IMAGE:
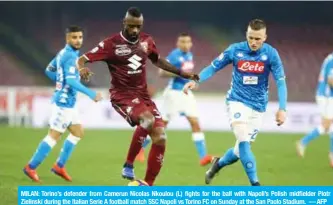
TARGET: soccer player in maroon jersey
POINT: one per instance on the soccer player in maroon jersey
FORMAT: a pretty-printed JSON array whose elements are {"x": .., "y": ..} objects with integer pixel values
[{"x": 126, "y": 55}]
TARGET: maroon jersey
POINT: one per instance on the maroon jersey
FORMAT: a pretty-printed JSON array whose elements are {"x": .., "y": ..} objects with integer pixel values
[{"x": 126, "y": 61}]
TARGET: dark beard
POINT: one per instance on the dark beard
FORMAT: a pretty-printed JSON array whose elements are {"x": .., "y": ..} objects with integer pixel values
[{"x": 128, "y": 37}]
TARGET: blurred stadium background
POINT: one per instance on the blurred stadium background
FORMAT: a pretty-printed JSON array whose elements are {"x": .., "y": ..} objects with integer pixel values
[{"x": 32, "y": 32}]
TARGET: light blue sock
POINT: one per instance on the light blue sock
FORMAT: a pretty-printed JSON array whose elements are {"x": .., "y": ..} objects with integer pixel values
[
  {"x": 311, "y": 136},
  {"x": 201, "y": 148},
  {"x": 67, "y": 150},
  {"x": 331, "y": 142},
  {"x": 146, "y": 142},
  {"x": 228, "y": 158},
  {"x": 200, "y": 144},
  {"x": 42, "y": 151},
  {"x": 248, "y": 160}
]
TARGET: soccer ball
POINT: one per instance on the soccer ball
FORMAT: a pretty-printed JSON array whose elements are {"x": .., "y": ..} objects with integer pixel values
[{"x": 138, "y": 182}]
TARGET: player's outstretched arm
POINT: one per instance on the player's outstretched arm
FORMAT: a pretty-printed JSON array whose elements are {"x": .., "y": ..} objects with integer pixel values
[
  {"x": 166, "y": 74},
  {"x": 173, "y": 61},
  {"x": 50, "y": 71},
  {"x": 204, "y": 75},
  {"x": 71, "y": 80},
  {"x": 217, "y": 64},
  {"x": 280, "y": 79},
  {"x": 207, "y": 73},
  {"x": 77, "y": 85}
]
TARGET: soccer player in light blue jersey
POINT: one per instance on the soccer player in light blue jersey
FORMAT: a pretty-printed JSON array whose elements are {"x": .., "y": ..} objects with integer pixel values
[
  {"x": 62, "y": 70},
  {"x": 324, "y": 98},
  {"x": 175, "y": 102},
  {"x": 253, "y": 61}
]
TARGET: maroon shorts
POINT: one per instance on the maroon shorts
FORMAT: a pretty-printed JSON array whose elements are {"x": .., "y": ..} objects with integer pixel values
[{"x": 130, "y": 107}]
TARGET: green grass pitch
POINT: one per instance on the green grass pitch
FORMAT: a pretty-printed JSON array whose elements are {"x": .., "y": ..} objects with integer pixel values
[{"x": 98, "y": 160}]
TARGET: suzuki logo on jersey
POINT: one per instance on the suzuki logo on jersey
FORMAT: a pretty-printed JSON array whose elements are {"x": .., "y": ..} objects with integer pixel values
[
  {"x": 187, "y": 66},
  {"x": 135, "y": 64},
  {"x": 251, "y": 66}
]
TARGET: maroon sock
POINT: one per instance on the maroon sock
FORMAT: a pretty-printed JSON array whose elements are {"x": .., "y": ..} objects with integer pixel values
[
  {"x": 155, "y": 162},
  {"x": 138, "y": 138}
]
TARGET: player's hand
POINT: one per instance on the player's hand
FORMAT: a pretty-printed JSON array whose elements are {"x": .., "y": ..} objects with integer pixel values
[
  {"x": 98, "y": 97},
  {"x": 189, "y": 86},
  {"x": 85, "y": 74},
  {"x": 191, "y": 76},
  {"x": 280, "y": 117}
]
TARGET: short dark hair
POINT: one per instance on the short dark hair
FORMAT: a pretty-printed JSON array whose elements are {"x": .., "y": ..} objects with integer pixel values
[
  {"x": 257, "y": 24},
  {"x": 184, "y": 34},
  {"x": 134, "y": 11},
  {"x": 74, "y": 28}
]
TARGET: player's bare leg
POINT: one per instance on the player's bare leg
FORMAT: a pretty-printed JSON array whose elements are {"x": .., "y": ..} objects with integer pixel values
[
  {"x": 322, "y": 129},
  {"x": 43, "y": 149},
  {"x": 156, "y": 154},
  {"x": 199, "y": 140},
  {"x": 76, "y": 134},
  {"x": 146, "y": 123}
]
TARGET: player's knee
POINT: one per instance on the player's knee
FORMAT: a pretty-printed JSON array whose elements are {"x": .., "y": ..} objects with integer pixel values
[
  {"x": 147, "y": 120},
  {"x": 158, "y": 136},
  {"x": 79, "y": 133},
  {"x": 326, "y": 125},
  {"x": 77, "y": 130},
  {"x": 55, "y": 134}
]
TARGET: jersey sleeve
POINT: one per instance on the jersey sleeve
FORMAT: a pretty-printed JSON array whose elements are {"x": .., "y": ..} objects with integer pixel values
[
  {"x": 279, "y": 77},
  {"x": 51, "y": 70},
  {"x": 328, "y": 66},
  {"x": 223, "y": 59},
  {"x": 153, "y": 53},
  {"x": 102, "y": 52},
  {"x": 70, "y": 67},
  {"x": 277, "y": 66},
  {"x": 52, "y": 66}
]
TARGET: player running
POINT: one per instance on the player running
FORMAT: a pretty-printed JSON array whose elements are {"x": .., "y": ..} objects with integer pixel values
[
  {"x": 176, "y": 102},
  {"x": 62, "y": 70},
  {"x": 324, "y": 100},
  {"x": 252, "y": 61},
  {"x": 126, "y": 55}
]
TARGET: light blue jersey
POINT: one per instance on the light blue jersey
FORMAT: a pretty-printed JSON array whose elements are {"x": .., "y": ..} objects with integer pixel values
[
  {"x": 181, "y": 60},
  {"x": 250, "y": 74},
  {"x": 323, "y": 88},
  {"x": 65, "y": 66}
]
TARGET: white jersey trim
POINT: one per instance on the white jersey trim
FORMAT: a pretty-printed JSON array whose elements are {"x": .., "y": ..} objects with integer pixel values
[{"x": 128, "y": 40}]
